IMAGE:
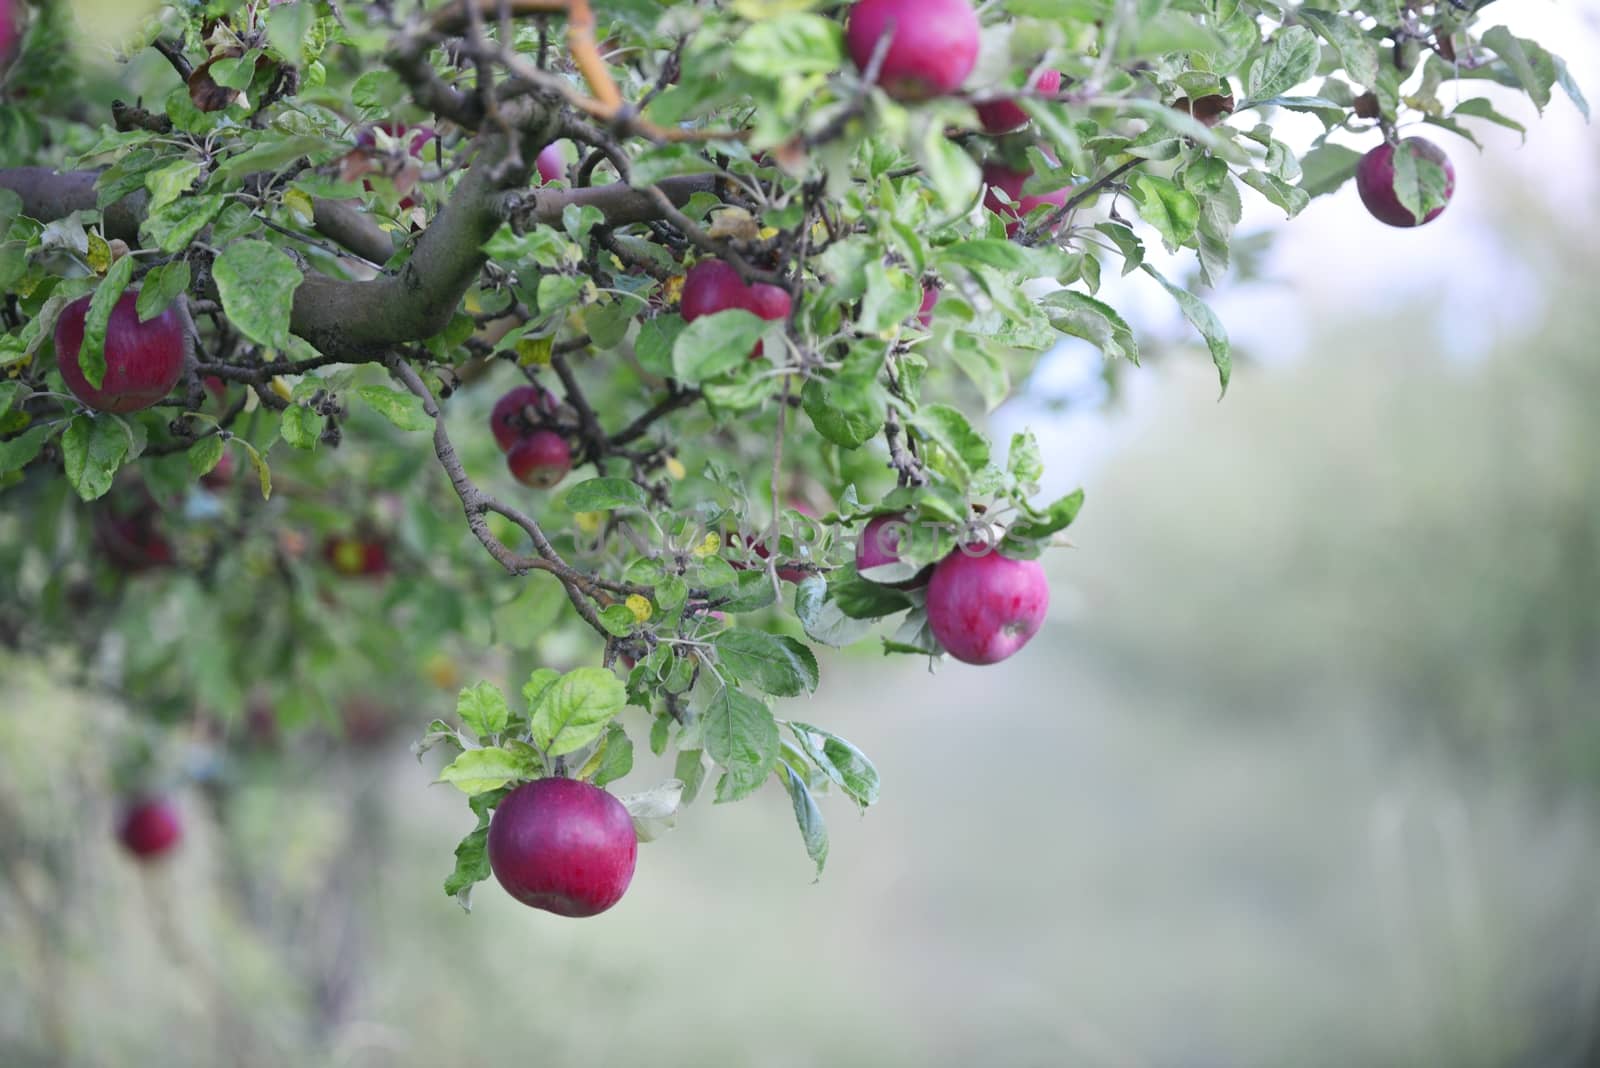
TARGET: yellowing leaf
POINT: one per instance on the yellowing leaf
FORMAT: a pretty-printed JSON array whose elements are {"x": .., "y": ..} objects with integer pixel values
[
  {"x": 767, "y": 233},
  {"x": 673, "y": 289},
  {"x": 589, "y": 522},
  {"x": 99, "y": 253},
  {"x": 534, "y": 351},
  {"x": 675, "y": 468},
  {"x": 299, "y": 202},
  {"x": 711, "y": 543},
  {"x": 281, "y": 388},
  {"x": 639, "y": 606}
]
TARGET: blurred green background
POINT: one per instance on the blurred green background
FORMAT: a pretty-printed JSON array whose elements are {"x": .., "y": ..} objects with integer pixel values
[{"x": 1303, "y": 771}]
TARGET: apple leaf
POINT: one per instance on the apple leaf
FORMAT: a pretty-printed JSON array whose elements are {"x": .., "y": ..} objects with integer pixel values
[
  {"x": 1095, "y": 322},
  {"x": 771, "y": 663},
  {"x": 257, "y": 282},
  {"x": 20, "y": 451},
  {"x": 655, "y": 810},
  {"x": 742, "y": 736},
  {"x": 92, "y": 449},
  {"x": 483, "y": 709},
  {"x": 402, "y": 408},
  {"x": 840, "y": 761},
  {"x": 611, "y": 759},
  {"x": 715, "y": 344},
  {"x": 92, "y": 351},
  {"x": 807, "y": 815},
  {"x": 572, "y": 711},
  {"x": 1204, "y": 320},
  {"x": 604, "y": 494},
  {"x": 160, "y": 288},
  {"x": 204, "y": 455},
  {"x": 1289, "y": 60},
  {"x": 478, "y": 771}
]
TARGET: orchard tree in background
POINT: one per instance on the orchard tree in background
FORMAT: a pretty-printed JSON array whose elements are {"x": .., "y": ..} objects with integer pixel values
[{"x": 634, "y": 347}]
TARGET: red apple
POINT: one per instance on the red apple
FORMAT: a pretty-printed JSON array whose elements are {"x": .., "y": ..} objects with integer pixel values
[
  {"x": 997, "y": 175},
  {"x": 709, "y": 287},
  {"x": 1003, "y": 116},
  {"x": 932, "y": 48},
  {"x": 879, "y": 546},
  {"x": 356, "y": 556},
  {"x": 540, "y": 460},
  {"x": 220, "y": 476},
  {"x": 985, "y": 608},
  {"x": 420, "y": 136},
  {"x": 149, "y": 827},
  {"x": 133, "y": 542},
  {"x": 563, "y": 846},
  {"x": 10, "y": 30},
  {"x": 143, "y": 360},
  {"x": 552, "y": 162},
  {"x": 511, "y": 419},
  {"x": 1375, "y": 181},
  {"x": 930, "y": 297}
]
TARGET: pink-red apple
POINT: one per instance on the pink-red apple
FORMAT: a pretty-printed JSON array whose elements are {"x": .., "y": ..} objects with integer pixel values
[
  {"x": 1375, "y": 181},
  {"x": 1003, "y": 116},
  {"x": 143, "y": 360},
  {"x": 930, "y": 297},
  {"x": 540, "y": 460},
  {"x": 933, "y": 44},
  {"x": 563, "y": 846},
  {"x": 997, "y": 175},
  {"x": 552, "y": 162},
  {"x": 983, "y": 608},
  {"x": 514, "y": 414},
  {"x": 150, "y": 826},
  {"x": 712, "y": 286},
  {"x": 879, "y": 546}
]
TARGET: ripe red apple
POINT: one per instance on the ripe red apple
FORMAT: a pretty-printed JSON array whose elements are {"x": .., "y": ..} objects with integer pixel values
[
  {"x": 552, "y": 162},
  {"x": 997, "y": 175},
  {"x": 712, "y": 286},
  {"x": 10, "y": 30},
  {"x": 133, "y": 541},
  {"x": 879, "y": 545},
  {"x": 1375, "y": 181},
  {"x": 930, "y": 297},
  {"x": 540, "y": 460},
  {"x": 932, "y": 48},
  {"x": 563, "y": 846},
  {"x": 143, "y": 360},
  {"x": 220, "y": 476},
  {"x": 985, "y": 608},
  {"x": 150, "y": 826},
  {"x": 510, "y": 421},
  {"x": 1003, "y": 116}
]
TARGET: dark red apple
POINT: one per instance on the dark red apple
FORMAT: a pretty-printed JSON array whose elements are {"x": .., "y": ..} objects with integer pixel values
[
  {"x": 709, "y": 287},
  {"x": 879, "y": 545},
  {"x": 511, "y": 419},
  {"x": 984, "y": 608},
  {"x": 150, "y": 826},
  {"x": 1375, "y": 181},
  {"x": 10, "y": 30},
  {"x": 143, "y": 360},
  {"x": 563, "y": 846},
  {"x": 933, "y": 44},
  {"x": 356, "y": 556},
  {"x": 997, "y": 175},
  {"x": 930, "y": 297},
  {"x": 1003, "y": 116},
  {"x": 552, "y": 162},
  {"x": 540, "y": 460},
  {"x": 133, "y": 541}
]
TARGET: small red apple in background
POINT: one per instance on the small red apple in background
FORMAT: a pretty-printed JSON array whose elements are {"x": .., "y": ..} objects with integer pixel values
[
  {"x": 150, "y": 826},
  {"x": 1375, "y": 181},
  {"x": 932, "y": 48},
  {"x": 540, "y": 460},
  {"x": 366, "y": 721},
  {"x": 133, "y": 541},
  {"x": 985, "y": 608},
  {"x": 10, "y": 31},
  {"x": 354, "y": 556},
  {"x": 1206, "y": 110},
  {"x": 143, "y": 360},
  {"x": 1003, "y": 116},
  {"x": 563, "y": 846},
  {"x": 220, "y": 476},
  {"x": 552, "y": 162},
  {"x": 879, "y": 545},
  {"x": 712, "y": 286},
  {"x": 930, "y": 297},
  {"x": 997, "y": 175},
  {"x": 510, "y": 420}
]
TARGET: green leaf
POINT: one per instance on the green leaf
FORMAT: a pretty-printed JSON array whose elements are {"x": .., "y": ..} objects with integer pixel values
[
  {"x": 1327, "y": 167},
  {"x": 1058, "y": 516},
  {"x": 257, "y": 282},
  {"x": 1204, "y": 320},
  {"x": 1357, "y": 54},
  {"x": 1419, "y": 183},
  {"x": 617, "y": 619},
  {"x": 472, "y": 854},
  {"x": 170, "y": 182},
  {"x": 768, "y": 662},
  {"x": 1291, "y": 198},
  {"x": 807, "y": 815},
  {"x": 259, "y": 462},
  {"x": 949, "y": 429},
  {"x": 715, "y": 344},
  {"x": 1099, "y": 324},
  {"x": 204, "y": 455},
  {"x": 791, "y": 43},
  {"x": 860, "y": 598},
  {"x": 742, "y": 736},
  {"x": 690, "y": 767},
  {"x": 92, "y": 449},
  {"x": 483, "y": 709},
  {"x": 1127, "y": 243},
  {"x": 301, "y": 427},
  {"x": 20, "y": 451},
  {"x": 402, "y": 408},
  {"x": 612, "y": 759},
  {"x": 272, "y": 154},
  {"x": 949, "y": 169},
  {"x": 1289, "y": 60},
  {"x": 161, "y": 287},
  {"x": 174, "y": 227},
  {"x": 572, "y": 711},
  {"x": 1174, "y": 212},
  {"x": 92, "y": 353},
  {"x": 604, "y": 494},
  {"x": 1514, "y": 51},
  {"x": 1482, "y": 107},
  {"x": 840, "y": 761},
  {"x": 478, "y": 771},
  {"x": 823, "y": 619},
  {"x": 654, "y": 811},
  {"x": 848, "y": 410}
]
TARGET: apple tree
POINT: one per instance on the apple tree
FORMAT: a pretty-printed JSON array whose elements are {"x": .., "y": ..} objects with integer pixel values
[{"x": 635, "y": 348}]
